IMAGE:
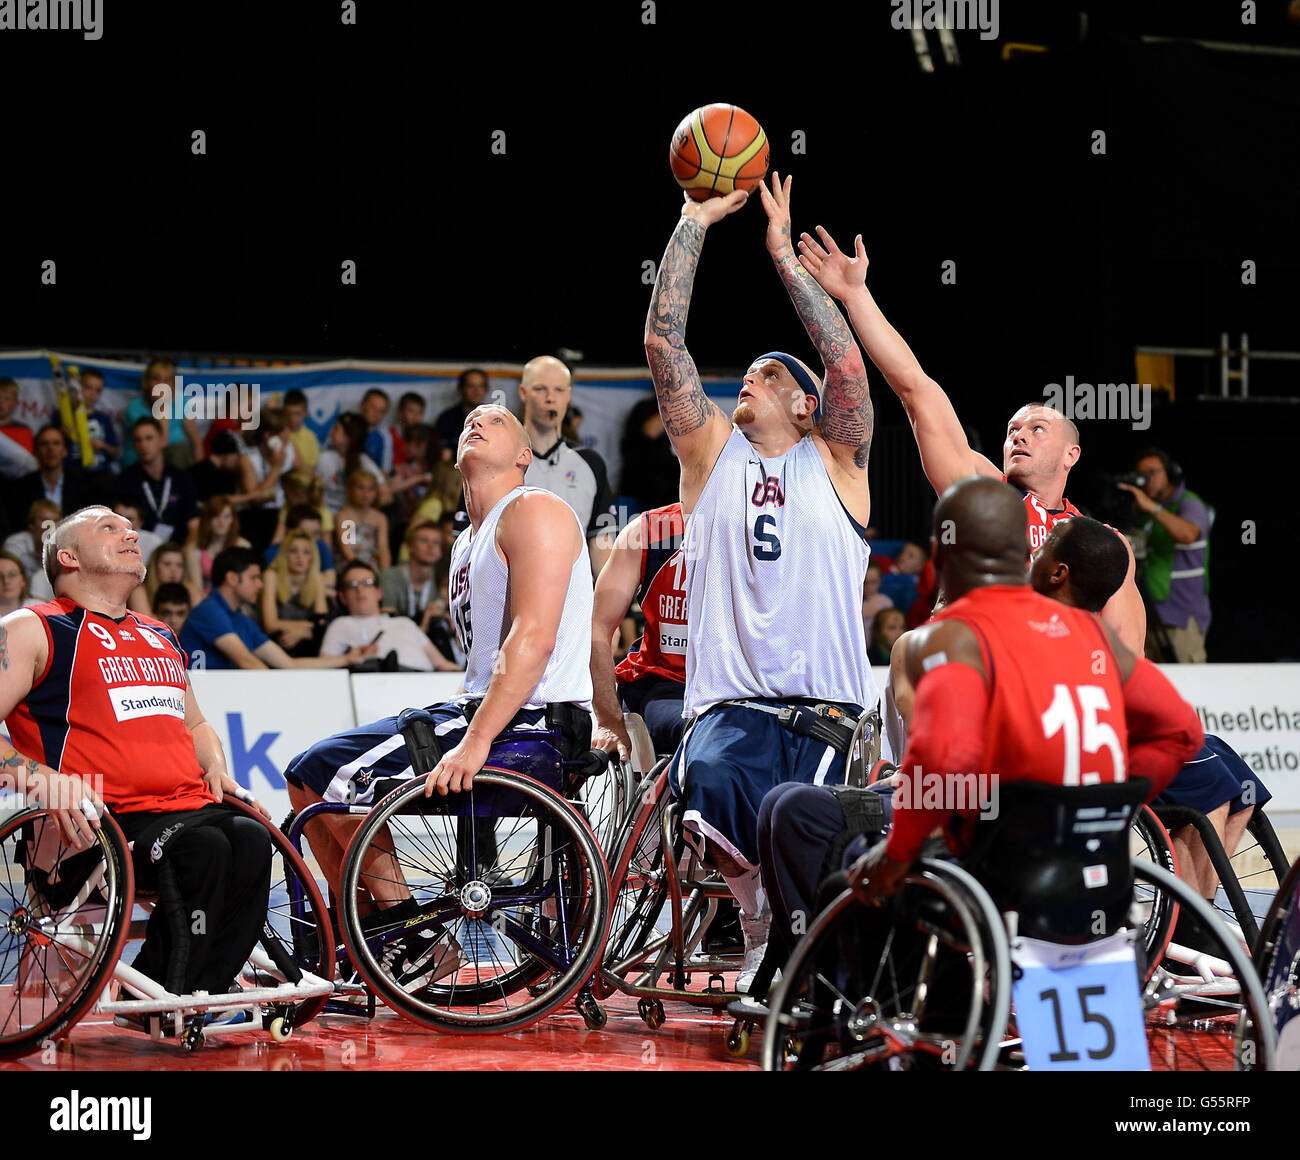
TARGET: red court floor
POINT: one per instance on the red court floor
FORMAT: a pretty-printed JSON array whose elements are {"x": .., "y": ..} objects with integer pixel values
[{"x": 691, "y": 1040}]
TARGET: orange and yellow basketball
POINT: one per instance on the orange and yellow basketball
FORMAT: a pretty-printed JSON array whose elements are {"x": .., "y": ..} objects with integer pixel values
[{"x": 718, "y": 149}]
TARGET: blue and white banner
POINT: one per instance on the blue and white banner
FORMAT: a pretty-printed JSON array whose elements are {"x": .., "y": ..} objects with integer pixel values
[{"x": 605, "y": 396}]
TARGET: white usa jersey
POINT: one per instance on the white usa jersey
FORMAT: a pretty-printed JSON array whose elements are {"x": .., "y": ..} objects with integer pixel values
[
  {"x": 481, "y": 611},
  {"x": 774, "y": 573}
]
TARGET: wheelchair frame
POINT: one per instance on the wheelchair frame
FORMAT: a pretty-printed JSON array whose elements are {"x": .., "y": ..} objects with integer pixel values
[
  {"x": 792, "y": 1029},
  {"x": 556, "y": 973},
  {"x": 283, "y": 993}
]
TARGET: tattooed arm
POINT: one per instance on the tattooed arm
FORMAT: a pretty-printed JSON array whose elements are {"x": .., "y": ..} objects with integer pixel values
[
  {"x": 946, "y": 454},
  {"x": 847, "y": 416},
  {"x": 695, "y": 426},
  {"x": 23, "y": 653}
]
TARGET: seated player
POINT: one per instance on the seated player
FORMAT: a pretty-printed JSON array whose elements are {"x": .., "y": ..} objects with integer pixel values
[
  {"x": 802, "y": 829},
  {"x": 521, "y": 602},
  {"x": 1002, "y": 677},
  {"x": 776, "y": 503},
  {"x": 645, "y": 565},
  {"x": 94, "y": 694}
]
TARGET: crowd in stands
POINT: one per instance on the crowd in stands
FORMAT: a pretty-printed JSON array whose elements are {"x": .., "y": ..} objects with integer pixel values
[{"x": 261, "y": 537}]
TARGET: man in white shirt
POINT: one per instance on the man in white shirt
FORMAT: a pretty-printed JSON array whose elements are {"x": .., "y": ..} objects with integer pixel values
[{"x": 360, "y": 594}]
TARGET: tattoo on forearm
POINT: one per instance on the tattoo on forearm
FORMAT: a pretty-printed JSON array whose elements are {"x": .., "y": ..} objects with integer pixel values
[
  {"x": 4, "y": 648},
  {"x": 682, "y": 402},
  {"x": 847, "y": 415}
]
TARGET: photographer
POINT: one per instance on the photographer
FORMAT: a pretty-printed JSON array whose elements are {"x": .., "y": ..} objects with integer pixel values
[{"x": 1174, "y": 570}]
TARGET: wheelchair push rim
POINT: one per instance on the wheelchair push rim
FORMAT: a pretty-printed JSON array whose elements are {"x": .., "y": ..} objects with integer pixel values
[{"x": 55, "y": 958}]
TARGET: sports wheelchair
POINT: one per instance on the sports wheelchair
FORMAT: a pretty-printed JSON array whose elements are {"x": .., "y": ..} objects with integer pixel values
[
  {"x": 665, "y": 900},
  {"x": 67, "y": 916},
  {"x": 509, "y": 876},
  {"x": 926, "y": 979}
]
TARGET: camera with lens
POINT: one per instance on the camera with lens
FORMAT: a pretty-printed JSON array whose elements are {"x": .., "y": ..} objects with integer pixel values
[{"x": 1116, "y": 506}]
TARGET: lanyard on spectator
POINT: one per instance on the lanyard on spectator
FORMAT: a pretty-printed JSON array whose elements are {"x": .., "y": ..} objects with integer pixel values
[
  {"x": 417, "y": 605},
  {"x": 158, "y": 508}
]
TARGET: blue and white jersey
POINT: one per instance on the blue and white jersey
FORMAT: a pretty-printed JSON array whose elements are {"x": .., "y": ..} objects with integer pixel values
[
  {"x": 774, "y": 573},
  {"x": 481, "y": 611}
]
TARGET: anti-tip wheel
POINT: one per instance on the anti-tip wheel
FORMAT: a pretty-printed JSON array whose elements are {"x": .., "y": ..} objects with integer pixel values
[
  {"x": 280, "y": 1030},
  {"x": 738, "y": 1039}
]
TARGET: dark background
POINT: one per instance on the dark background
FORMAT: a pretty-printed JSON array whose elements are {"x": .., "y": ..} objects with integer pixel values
[{"x": 372, "y": 143}]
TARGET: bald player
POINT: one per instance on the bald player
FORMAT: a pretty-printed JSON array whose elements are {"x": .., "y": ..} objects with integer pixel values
[
  {"x": 776, "y": 503},
  {"x": 1041, "y": 444},
  {"x": 1012, "y": 684},
  {"x": 526, "y": 644},
  {"x": 567, "y": 469}
]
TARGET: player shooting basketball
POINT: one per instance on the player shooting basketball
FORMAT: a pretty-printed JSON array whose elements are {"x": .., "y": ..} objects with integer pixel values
[{"x": 777, "y": 503}]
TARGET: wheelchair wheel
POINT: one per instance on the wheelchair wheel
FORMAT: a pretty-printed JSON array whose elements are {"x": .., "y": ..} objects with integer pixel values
[
  {"x": 604, "y": 801},
  {"x": 1249, "y": 879},
  {"x": 1205, "y": 1008},
  {"x": 1259, "y": 867},
  {"x": 639, "y": 887},
  {"x": 536, "y": 913},
  {"x": 297, "y": 935},
  {"x": 922, "y": 981},
  {"x": 1277, "y": 961},
  {"x": 64, "y": 917},
  {"x": 1155, "y": 910}
]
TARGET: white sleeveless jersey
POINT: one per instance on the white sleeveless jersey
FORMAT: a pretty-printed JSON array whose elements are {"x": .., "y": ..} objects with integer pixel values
[
  {"x": 480, "y": 606},
  {"x": 774, "y": 573}
]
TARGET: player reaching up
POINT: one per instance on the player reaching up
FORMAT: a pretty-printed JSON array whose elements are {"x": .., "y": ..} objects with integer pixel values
[
  {"x": 776, "y": 501},
  {"x": 1041, "y": 444}
]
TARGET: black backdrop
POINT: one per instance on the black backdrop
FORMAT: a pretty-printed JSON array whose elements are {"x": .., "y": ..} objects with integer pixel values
[{"x": 372, "y": 143}]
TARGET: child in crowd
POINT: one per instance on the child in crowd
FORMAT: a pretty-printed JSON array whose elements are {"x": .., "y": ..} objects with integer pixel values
[{"x": 361, "y": 531}]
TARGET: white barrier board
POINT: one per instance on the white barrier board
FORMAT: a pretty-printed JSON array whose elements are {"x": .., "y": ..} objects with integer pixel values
[{"x": 264, "y": 719}]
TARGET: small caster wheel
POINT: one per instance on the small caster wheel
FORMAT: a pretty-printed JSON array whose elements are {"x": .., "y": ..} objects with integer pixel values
[
  {"x": 738, "y": 1039},
  {"x": 593, "y": 1014},
  {"x": 653, "y": 1014},
  {"x": 281, "y": 1029},
  {"x": 193, "y": 1039}
]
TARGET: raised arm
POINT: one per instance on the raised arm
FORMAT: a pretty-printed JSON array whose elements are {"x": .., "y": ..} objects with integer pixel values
[
  {"x": 695, "y": 426},
  {"x": 946, "y": 454},
  {"x": 847, "y": 416}
]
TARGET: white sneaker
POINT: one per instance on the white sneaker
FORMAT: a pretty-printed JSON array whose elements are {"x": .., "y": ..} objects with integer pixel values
[{"x": 755, "y": 931}]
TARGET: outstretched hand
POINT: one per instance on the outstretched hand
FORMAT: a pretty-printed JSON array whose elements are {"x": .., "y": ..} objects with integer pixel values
[
  {"x": 836, "y": 273},
  {"x": 777, "y": 203},
  {"x": 714, "y": 209}
]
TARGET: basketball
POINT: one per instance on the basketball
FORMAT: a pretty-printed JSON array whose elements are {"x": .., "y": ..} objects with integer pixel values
[{"x": 718, "y": 149}]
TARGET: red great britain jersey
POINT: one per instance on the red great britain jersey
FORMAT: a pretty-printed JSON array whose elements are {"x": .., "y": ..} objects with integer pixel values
[
  {"x": 1042, "y": 519},
  {"x": 111, "y": 703},
  {"x": 661, "y": 651},
  {"x": 1056, "y": 703}
]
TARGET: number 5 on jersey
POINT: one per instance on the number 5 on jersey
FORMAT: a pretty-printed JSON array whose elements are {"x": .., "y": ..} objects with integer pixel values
[{"x": 769, "y": 547}]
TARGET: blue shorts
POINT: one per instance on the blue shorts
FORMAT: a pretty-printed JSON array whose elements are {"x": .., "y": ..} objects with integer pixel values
[
  {"x": 347, "y": 766},
  {"x": 1216, "y": 775},
  {"x": 730, "y": 759}
]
